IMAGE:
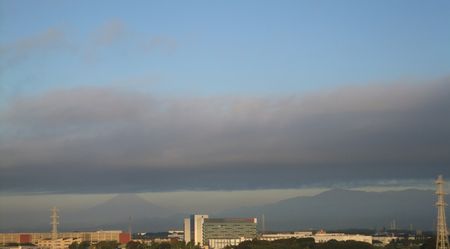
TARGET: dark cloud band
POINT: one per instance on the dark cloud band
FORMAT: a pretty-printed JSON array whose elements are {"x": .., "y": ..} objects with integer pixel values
[{"x": 103, "y": 140}]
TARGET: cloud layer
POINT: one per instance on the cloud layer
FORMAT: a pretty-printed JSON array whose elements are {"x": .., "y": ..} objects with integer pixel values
[
  {"x": 59, "y": 40},
  {"x": 52, "y": 39},
  {"x": 105, "y": 140}
]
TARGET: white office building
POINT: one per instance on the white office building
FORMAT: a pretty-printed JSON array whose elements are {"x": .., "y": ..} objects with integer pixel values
[
  {"x": 193, "y": 229},
  {"x": 217, "y": 233}
]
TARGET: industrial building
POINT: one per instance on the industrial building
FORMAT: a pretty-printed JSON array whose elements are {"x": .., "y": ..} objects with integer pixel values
[
  {"x": 322, "y": 236},
  {"x": 278, "y": 236},
  {"x": 319, "y": 237},
  {"x": 58, "y": 240},
  {"x": 218, "y": 232},
  {"x": 175, "y": 235},
  {"x": 92, "y": 237},
  {"x": 61, "y": 243}
]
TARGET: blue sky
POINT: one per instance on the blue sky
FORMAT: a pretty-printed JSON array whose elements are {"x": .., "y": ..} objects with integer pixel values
[
  {"x": 236, "y": 97},
  {"x": 221, "y": 47}
]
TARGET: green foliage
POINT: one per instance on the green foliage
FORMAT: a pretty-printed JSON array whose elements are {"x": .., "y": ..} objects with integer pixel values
[
  {"x": 82, "y": 245},
  {"x": 74, "y": 245},
  {"x": 163, "y": 245},
  {"x": 429, "y": 243},
  {"x": 307, "y": 243},
  {"x": 135, "y": 245},
  {"x": 106, "y": 245},
  {"x": 190, "y": 245},
  {"x": 333, "y": 244}
]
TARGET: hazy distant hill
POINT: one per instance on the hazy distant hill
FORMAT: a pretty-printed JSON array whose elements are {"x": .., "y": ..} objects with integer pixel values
[
  {"x": 337, "y": 209},
  {"x": 128, "y": 205},
  {"x": 25, "y": 219},
  {"x": 116, "y": 212},
  {"x": 333, "y": 209}
]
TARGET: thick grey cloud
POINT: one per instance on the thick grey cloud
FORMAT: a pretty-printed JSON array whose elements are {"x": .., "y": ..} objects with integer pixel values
[{"x": 105, "y": 140}]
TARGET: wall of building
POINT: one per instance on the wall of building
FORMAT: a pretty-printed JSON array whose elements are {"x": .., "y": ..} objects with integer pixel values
[
  {"x": 319, "y": 237},
  {"x": 187, "y": 230},
  {"x": 221, "y": 243},
  {"x": 93, "y": 237},
  {"x": 228, "y": 229},
  {"x": 62, "y": 243},
  {"x": 201, "y": 230},
  {"x": 277, "y": 236},
  {"x": 324, "y": 237},
  {"x": 198, "y": 228},
  {"x": 193, "y": 229}
]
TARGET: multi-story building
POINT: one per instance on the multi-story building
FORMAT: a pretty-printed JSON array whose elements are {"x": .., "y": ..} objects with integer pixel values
[
  {"x": 61, "y": 243},
  {"x": 218, "y": 233},
  {"x": 193, "y": 228},
  {"x": 92, "y": 237},
  {"x": 228, "y": 229},
  {"x": 175, "y": 235}
]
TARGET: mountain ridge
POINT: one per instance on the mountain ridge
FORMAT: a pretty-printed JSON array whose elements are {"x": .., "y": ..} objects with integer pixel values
[
  {"x": 340, "y": 209},
  {"x": 331, "y": 209}
]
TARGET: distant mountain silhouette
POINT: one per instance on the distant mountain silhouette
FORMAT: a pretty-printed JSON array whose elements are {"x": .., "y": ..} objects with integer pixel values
[
  {"x": 129, "y": 205},
  {"x": 333, "y": 209},
  {"x": 340, "y": 209},
  {"x": 116, "y": 212}
]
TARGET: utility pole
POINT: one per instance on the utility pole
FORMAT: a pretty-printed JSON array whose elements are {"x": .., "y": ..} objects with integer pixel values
[
  {"x": 129, "y": 225},
  {"x": 263, "y": 223},
  {"x": 441, "y": 228}
]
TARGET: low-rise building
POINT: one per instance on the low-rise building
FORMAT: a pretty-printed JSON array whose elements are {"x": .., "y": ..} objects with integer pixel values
[
  {"x": 175, "y": 235},
  {"x": 384, "y": 240},
  {"x": 61, "y": 243},
  {"x": 319, "y": 237},
  {"x": 221, "y": 243},
  {"x": 277, "y": 236},
  {"x": 20, "y": 247},
  {"x": 218, "y": 232},
  {"x": 92, "y": 237},
  {"x": 322, "y": 236}
]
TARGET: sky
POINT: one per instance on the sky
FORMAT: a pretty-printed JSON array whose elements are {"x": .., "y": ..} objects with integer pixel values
[{"x": 174, "y": 99}]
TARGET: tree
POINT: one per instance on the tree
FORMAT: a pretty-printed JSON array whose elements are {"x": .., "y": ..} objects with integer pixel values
[
  {"x": 429, "y": 243},
  {"x": 135, "y": 245},
  {"x": 74, "y": 245},
  {"x": 107, "y": 245},
  {"x": 164, "y": 245},
  {"x": 84, "y": 245}
]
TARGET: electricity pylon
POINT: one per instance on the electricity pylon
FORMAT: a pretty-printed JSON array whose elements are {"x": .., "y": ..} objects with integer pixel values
[{"x": 442, "y": 233}]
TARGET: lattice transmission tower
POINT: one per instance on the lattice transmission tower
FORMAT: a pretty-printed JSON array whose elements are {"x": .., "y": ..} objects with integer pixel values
[
  {"x": 441, "y": 231},
  {"x": 54, "y": 223}
]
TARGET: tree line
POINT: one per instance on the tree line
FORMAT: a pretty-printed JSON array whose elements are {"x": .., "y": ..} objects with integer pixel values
[
  {"x": 133, "y": 245},
  {"x": 303, "y": 243}
]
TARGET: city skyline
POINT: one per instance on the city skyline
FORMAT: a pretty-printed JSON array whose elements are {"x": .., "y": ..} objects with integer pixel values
[{"x": 220, "y": 104}]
